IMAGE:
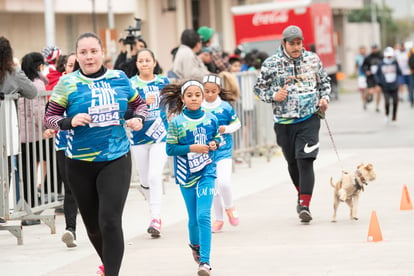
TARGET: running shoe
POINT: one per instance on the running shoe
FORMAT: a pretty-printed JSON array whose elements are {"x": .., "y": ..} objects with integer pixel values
[
  {"x": 305, "y": 214},
  {"x": 217, "y": 225},
  {"x": 196, "y": 252},
  {"x": 3, "y": 221},
  {"x": 154, "y": 228},
  {"x": 101, "y": 270},
  {"x": 69, "y": 238},
  {"x": 204, "y": 269},
  {"x": 233, "y": 216},
  {"x": 298, "y": 206}
]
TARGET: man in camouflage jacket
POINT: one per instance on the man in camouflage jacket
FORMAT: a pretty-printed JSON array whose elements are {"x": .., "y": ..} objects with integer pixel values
[{"x": 298, "y": 87}]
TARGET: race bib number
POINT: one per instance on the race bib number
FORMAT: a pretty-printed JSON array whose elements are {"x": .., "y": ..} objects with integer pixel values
[
  {"x": 157, "y": 130},
  {"x": 198, "y": 161},
  {"x": 104, "y": 115},
  {"x": 374, "y": 69},
  {"x": 390, "y": 77}
]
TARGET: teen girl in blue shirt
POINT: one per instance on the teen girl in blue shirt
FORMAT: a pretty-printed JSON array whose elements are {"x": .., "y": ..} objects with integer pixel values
[
  {"x": 216, "y": 101},
  {"x": 148, "y": 144},
  {"x": 193, "y": 136}
]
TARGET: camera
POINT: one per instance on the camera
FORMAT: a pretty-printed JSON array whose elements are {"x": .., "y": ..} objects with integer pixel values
[{"x": 133, "y": 32}]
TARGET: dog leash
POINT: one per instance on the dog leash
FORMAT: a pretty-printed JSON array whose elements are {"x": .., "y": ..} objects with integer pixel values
[{"x": 333, "y": 143}]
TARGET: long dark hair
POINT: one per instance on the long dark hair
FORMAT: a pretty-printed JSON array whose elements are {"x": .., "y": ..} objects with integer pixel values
[
  {"x": 31, "y": 63},
  {"x": 6, "y": 58},
  {"x": 60, "y": 63},
  {"x": 171, "y": 98}
]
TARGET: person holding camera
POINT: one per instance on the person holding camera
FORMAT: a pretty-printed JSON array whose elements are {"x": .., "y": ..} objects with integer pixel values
[
  {"x": 125, "y": 63},
  {"x": 128, "y": 65}
]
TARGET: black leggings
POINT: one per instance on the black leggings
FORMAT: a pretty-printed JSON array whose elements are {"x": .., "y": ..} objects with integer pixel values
[
  {"x": 101, "y": 189},
  {"x": 69, "y": 204},
  {"x": 391, "y": 94},
  {"x": 302, "y": 175}
]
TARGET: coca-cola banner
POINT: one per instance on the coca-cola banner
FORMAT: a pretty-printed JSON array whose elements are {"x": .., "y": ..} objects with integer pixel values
[{"x": 315, "y": 20}]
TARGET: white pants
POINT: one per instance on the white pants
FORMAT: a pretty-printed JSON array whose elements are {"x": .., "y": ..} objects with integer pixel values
[
  {"x": 150, "y": 161},
  {"x": 224, "y": 193}
]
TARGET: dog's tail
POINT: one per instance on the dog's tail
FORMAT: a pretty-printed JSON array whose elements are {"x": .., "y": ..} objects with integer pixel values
[{"x": 332, "y": 184}]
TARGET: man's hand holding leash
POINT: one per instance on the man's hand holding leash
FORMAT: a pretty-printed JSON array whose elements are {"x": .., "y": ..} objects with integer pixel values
[{"x": 323, "y": 105}]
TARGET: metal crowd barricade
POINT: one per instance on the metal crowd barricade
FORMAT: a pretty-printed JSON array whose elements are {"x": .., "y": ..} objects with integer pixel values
[
  {"x": 17, "y": 204},
  {"x": 256, "y": 135}
]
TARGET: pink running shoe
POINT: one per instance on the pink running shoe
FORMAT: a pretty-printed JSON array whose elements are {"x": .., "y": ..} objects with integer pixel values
[
  {"x": 233, "y": 216},
  {"x": 101, "y": 270},
  {"x": 155, "y": 228},
  {"x": 217, "y": 225}
]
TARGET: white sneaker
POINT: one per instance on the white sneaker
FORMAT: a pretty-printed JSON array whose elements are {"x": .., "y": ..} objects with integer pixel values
[
  {"x": 69, "y": 239},
  {"x": 204, "y": 269}
]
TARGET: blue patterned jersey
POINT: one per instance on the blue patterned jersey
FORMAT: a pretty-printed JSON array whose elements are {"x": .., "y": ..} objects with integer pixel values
[
  {"x": 105, "y": 99},
  {"x": 156, "y": 124},
  {"x": 61, "y": 140},
  {"x": 226, "y": 116},
  {"x": 183, "y": 130}
]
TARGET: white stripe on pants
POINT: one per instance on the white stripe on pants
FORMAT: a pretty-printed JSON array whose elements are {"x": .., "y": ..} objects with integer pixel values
[{"x": 150, "y": 162}]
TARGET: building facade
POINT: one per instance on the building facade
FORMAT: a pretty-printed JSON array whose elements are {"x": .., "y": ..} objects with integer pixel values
[{"x": 32, "y": 24}]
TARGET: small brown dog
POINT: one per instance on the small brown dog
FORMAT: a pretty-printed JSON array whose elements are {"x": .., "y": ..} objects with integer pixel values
[{"x": 350, "y": 186}]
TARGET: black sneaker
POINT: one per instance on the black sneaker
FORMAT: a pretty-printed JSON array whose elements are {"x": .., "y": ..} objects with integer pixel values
[
  {"x": 204, "y": 269},
  {"x": 2, "y": 220},
  {"x": 298, "y": 205},
  {"x": 305, "y": 214}
]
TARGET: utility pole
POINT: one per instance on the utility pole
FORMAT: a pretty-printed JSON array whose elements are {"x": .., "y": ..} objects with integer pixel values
[
  {"x": 111, "y": 21},
  {"x": 94, "y": 16},
  {"x": 383, "y": 27},
  {"x": 111, "y": 25},
  {"x": 49, "y": 23},
  {"x": 374, "y": 21}
]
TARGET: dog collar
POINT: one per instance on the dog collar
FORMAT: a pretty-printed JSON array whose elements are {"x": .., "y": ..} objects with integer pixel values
[
  {"x": 359, "y": 174},
  {"x": 359, "y": 177},
  {"x": 358, "y": 186}
]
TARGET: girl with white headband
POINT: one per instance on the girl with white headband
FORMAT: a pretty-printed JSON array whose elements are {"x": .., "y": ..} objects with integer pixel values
[
  {"x": 216, "y": 101},
  {"x": 192, "y": 138}
]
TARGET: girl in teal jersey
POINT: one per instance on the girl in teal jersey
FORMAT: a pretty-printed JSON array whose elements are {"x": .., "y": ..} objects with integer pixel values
[
  {"x": 148, "y": 144},
  {"x": 193, "y": 136},
  {"x": 216, "y": 101}
]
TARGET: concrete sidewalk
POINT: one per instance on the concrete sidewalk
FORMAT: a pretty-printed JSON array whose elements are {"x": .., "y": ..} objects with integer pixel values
[{"x": 270, "y": 240}]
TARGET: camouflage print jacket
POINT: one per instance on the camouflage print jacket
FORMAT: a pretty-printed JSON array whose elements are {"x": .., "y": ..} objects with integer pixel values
[{"x": 306, "y": 80}]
